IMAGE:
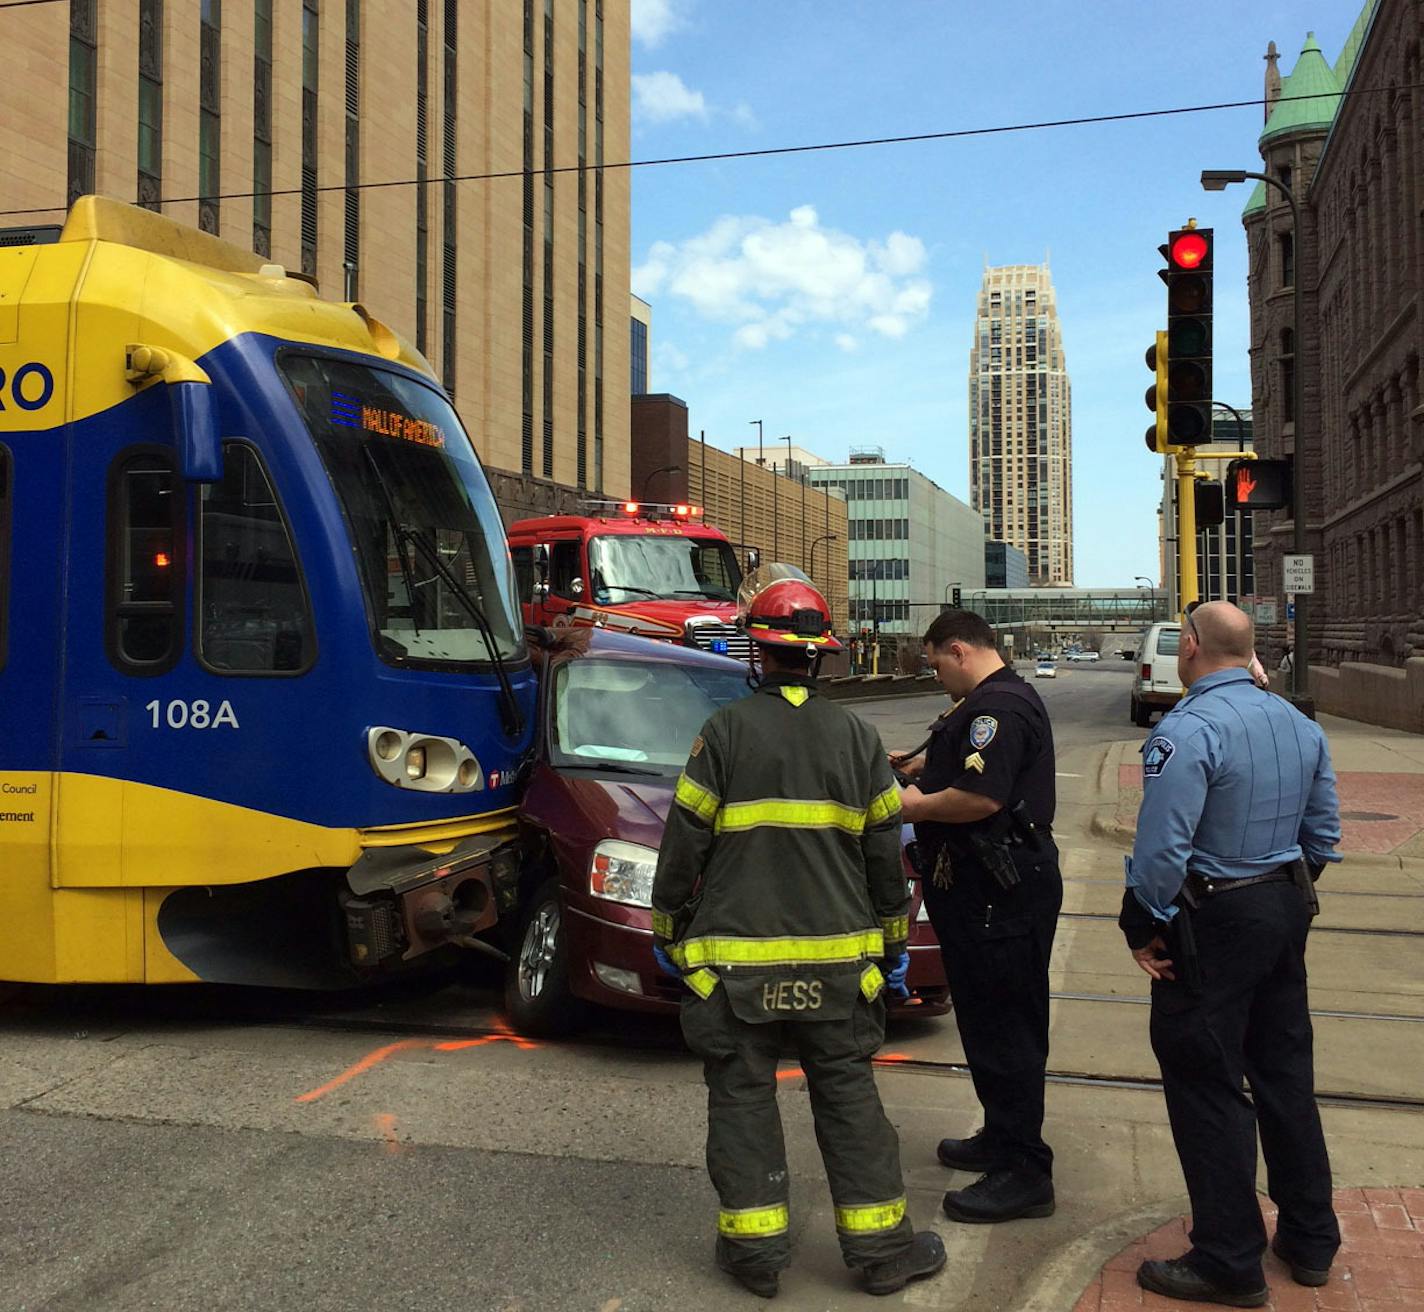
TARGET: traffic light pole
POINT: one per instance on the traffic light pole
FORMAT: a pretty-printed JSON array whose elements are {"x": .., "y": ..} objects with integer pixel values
[{"x": 1187, "y": 588}]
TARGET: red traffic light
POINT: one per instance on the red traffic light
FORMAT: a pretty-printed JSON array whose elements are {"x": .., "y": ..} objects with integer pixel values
[{"x": 1189, "y": 250}]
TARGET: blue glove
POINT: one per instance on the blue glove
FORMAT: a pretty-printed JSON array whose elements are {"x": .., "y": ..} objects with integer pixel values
[
  {"x": 665, "y": 963},
  {"x": 895, "y": 976}
]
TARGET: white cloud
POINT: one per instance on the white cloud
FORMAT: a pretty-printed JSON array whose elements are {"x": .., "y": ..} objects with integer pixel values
[
  {"x": 741, "y": 114},
  {"x": 770, "y": 280},
  {"x": 655, "y": 19},
  {"x": 662, "y": 97},
  {"x": 666, "y": 357}
]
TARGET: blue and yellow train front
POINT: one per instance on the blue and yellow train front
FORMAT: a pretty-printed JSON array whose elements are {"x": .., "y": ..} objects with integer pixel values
[{"x": 264, "y": 697}]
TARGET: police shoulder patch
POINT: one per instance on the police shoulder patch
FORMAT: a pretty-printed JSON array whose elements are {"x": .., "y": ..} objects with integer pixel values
[
  {"x": 1156, "y": 755},
  {"x": 982, "y": 731}
]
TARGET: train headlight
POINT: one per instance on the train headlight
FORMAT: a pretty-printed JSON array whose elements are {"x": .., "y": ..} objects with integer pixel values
[{"x": 428, "y": 763}]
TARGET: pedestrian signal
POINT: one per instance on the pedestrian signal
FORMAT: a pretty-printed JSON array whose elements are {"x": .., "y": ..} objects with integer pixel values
[
  {"x": 1211, "y": 503},
  {"x": 1188, "y": 276},
  {"x": 1258, "y": 484}
]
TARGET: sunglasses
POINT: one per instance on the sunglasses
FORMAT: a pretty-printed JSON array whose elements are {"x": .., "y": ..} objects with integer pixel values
[{"x": 1191, "y": 627}]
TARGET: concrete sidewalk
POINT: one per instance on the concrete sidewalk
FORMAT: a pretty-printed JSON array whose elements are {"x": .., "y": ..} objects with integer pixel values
[{"x": 1381, "y": 780}]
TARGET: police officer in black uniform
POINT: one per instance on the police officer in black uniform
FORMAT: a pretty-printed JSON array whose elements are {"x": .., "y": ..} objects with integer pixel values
[{"x": 982, "y": 804}]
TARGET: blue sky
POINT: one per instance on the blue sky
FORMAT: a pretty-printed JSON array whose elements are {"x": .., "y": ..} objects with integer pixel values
[{"x": 832, "y": 294}]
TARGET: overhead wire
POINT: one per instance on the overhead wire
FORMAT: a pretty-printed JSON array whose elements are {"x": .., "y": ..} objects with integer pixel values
[{"x": 760, "y": 153}]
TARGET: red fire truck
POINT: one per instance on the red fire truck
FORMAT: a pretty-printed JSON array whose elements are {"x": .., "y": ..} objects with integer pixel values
[{"x": 659, "y": 571}]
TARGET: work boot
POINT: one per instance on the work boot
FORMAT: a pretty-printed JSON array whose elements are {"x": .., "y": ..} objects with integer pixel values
[
  {"x": 1002, "y": 1195},
  {"x": 971, "y": 1154},
  {"x": 922, "y": 1258},
  {"x": 1177, "y": 1279},
  {"x": 1302, "y": 1275},
  {"x": 761, "y": 1281}
]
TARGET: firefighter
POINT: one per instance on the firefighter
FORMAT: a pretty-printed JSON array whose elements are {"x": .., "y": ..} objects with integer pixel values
[{"x": 781, "y": 902}]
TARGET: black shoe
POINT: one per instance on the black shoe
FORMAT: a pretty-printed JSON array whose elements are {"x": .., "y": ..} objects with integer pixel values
[
  {"x": 923, "y": 1257},
  {"x": 1302, "y": 1275},
  {"x": 971, "y": 1154},
  {"x": 1176, "y": 1279},
  {"x": 759, "y": 1281},
  {"x": 1003, "y": 1195}
]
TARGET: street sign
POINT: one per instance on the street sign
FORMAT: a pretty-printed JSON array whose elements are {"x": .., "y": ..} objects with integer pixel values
[
  {"x": 1266, "y": 610},
  {"x": 1298, "y": 574}
]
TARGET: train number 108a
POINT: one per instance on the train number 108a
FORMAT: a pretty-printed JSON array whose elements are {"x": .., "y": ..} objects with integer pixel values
[{"x": 192, "y": 715}]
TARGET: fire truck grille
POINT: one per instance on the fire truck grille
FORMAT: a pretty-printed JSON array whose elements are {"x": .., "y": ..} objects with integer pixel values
[{"x": 726, "y": 639}]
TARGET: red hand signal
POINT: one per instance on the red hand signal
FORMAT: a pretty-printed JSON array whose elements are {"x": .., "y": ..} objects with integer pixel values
[{"x": 1245, "y": 485}]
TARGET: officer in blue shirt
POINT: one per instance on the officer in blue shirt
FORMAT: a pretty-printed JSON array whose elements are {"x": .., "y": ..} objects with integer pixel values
[{"x": 1237, "y": 791}]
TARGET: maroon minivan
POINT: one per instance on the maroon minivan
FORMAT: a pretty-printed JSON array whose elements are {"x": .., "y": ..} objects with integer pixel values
[{"x": 617, "y": 717}]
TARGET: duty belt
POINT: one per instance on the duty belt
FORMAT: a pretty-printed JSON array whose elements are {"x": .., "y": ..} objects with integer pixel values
[{"x": 1202, "y": 887}]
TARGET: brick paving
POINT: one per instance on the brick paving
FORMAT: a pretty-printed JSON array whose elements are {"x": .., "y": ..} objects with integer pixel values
[{"x": 1380, "y": 1266}]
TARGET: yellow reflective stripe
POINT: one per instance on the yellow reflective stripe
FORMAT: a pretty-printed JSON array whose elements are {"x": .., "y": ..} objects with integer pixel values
[
  {"x": 737, "y": 816},
  {"x": 897, "y": 928},
  {"x": 702, "y": 802},
  {"x": 662, "y": 924},
  {"x": 789, "y": 637},
  {"x": 701, "y": 982},
  {"x": 795, "y": 694},
  {"x": 871, "y": 1218},
  {"x": 883, "y": 807},
  {"x": 871, "y": 982},
  {"x": 757, "y": 1222},
  {"x": 714, "y": 951}
]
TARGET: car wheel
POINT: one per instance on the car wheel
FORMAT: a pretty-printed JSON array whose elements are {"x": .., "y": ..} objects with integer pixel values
[
  {"x": 1141, "y": 715},
  {"x": 536, "y": 981}
]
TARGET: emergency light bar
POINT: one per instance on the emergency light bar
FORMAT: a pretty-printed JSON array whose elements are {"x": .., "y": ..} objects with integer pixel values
[{"x": 650, "y": 509}]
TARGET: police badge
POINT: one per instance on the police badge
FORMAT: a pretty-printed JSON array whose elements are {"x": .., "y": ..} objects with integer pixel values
[{"x": 982, "y": 731}]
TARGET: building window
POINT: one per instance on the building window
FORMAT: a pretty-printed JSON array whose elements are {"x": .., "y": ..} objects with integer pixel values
[
  {"x": 210, "y": 115},
  {"x": 422, "y": 165},
  {"x": 639, "y": 346},
  {"x": 1288, "y": 375},
  {"x": 150, "y": 103},
  {"x": 256, "y": 618},
  {"x": 449, "y": 219},
  {"x": 351, "y": 246},
  {"x": 83, "y": 80},
  {"x": 311, "y": 65},
  {"x": 1287, "y": 244},
  {"x": 262, "y": 127}
]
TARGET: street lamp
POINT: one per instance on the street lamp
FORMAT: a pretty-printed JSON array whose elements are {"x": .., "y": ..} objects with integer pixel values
[
  {"x": 1219, "y": 180},
  {"x": 1151, "y": 596},
  {"x": 665, "y": 469},
  {"x": 825, "y": 537}
]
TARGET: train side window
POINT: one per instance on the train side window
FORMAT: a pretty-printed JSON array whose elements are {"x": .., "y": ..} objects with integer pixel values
[
  {"x": 145, "y": 566},
  {"x": 254, "y": 616},
  {"x": 7, "y": 479}
]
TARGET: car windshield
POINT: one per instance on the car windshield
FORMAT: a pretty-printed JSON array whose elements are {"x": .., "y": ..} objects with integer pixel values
[
  {"x": 625, "y": 566},
  {"x": 633, "y": 713},
  {"x": 429, "y": 540}
]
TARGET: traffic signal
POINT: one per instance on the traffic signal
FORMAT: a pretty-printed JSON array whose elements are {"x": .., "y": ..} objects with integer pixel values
[
  {"x": 1258, "y": 484},
  {"x": 1157, "y": 396},
  {"x": 1211, "y": 503},
  {"x": 1188, "y": 277},
  {"x": 955, "y": 595}
]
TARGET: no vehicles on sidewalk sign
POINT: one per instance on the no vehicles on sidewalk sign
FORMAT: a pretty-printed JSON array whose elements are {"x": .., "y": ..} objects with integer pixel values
[{"x": 1298, "y": 573}]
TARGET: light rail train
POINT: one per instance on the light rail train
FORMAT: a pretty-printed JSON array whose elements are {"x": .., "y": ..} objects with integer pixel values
[{"x": 264, "y": 693}]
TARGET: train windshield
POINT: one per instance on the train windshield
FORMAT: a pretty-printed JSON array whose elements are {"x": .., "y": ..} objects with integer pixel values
[{"x": 429, "y": 539}]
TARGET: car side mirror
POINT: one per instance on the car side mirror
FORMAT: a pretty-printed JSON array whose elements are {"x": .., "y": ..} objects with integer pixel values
[
  {"x": 541, "y": 572},
  {"x": 576, "y": 588},
  {"x": 753, "y": 559}
]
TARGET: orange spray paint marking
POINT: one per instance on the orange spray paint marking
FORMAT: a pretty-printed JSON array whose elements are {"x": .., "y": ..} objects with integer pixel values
[
  {"x": 791, "y": 1073},
  {"x": 386, "y": 1124},
  {"x": 361, "y": 1067},
  {"x": 459, "y": 1045}
]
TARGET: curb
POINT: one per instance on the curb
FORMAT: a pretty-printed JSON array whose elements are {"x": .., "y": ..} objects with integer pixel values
[{"x": 1056, "y": 1284}]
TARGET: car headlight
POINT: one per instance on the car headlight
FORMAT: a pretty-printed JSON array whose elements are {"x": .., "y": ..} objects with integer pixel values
[{"x": 623, "y": 872}]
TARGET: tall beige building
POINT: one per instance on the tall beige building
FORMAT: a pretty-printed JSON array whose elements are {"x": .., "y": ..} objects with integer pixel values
[
  {"x": 1021, "y": 421},
  {"x": 275, "y": 123}
]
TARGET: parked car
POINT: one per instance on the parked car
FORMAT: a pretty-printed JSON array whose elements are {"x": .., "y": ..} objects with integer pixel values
[
  {"x": 1046, "y": 668},
  {"x": 617, "y": 718},
  {"x": 1155, "y": 686}
]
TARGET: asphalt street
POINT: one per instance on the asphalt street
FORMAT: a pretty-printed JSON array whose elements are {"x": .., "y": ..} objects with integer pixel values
[{"x": 226, "y": 1149}]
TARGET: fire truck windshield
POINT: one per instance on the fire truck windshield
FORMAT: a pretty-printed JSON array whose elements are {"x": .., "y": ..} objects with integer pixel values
[{"x": 623, "y": 567}]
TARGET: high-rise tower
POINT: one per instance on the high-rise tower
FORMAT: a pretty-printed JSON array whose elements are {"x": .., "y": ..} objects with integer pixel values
[{"x": 1020, "y": 421}]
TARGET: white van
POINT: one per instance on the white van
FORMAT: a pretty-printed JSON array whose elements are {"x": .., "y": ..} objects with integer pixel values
[{"x": 1155, "y": 686}]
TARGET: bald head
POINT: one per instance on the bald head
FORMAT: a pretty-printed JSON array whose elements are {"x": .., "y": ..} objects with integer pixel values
[{"x": 1224, "y": 633}]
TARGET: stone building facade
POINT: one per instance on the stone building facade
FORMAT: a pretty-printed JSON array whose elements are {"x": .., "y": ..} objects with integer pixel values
[
  {"x": 1348, "y": 141},
  {"x": 269, "y": 121}
]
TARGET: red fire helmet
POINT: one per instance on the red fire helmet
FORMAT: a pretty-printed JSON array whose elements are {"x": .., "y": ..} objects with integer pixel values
[{"x": 781, "y": 607}]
